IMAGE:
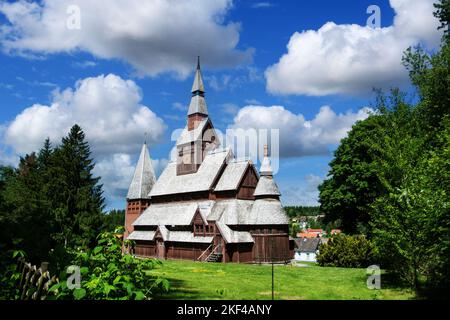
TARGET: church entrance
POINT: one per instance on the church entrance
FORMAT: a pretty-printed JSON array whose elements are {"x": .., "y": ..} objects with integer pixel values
[{"x": 160, "y": 249}]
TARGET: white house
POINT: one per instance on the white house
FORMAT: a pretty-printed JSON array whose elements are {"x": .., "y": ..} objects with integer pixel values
[{"x": 306, "y": 249}]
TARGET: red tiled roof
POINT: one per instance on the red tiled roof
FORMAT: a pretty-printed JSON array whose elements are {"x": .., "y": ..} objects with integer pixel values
[
  {"x": 307, "y": 235},
  {"x": 314, "y": 230}
]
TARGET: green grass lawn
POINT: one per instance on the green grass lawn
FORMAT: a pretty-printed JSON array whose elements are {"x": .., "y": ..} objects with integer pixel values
[{"x": 201, "y": 280}]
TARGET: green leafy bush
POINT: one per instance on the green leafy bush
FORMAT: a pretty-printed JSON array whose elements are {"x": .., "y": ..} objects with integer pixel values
[
  {"x": 107, "y": 273},
  {"x": 346, "y": 251},
  {"x": 9, "y": 275}
]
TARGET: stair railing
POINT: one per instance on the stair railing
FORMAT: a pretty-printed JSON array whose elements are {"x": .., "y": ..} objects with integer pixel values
[
  {"x": 214, "y": 251},
  {"x": 198, "y": 259}
]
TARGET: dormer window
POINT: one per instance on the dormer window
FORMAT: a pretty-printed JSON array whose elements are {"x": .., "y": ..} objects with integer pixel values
[{"x": 199, "y": 230}]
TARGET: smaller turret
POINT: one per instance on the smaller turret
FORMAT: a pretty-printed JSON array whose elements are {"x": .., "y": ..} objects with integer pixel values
[
  {"x": 266, "y": 187},
  {"x": 138, "y": 194}
]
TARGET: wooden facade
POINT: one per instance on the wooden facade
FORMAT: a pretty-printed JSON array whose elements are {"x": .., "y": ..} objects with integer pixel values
[
  {"x": 133, "y": 210},
  {"x": 271, "y": 242},
  {"x": 165, "y": 231}
]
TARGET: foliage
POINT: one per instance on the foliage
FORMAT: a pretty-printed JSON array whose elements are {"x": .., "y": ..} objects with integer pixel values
[
  {"x": 346, "y": 251},
  {"x": 390, "y": 176},
  {"x": 412, "y": 223},
  {"x": 107, "y": 273},
  {"x": 314, "y": 223},
  {"x": 54, "y": 193},
  {"x": 297, "y": 211},
  {"x": 352, "y": 183},
  {"x": 113, "y": 219},
  {"x": 79, "y": 203},
  {"x": 9, "y": 276},
  {"x": 294, "y": 228},
  {"x": 443, "y": 14}
]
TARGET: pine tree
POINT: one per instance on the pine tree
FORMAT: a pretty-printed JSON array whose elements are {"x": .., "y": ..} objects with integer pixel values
[
  {"x": 28, "y": 215},
  {"x": 78, "y": 195}
]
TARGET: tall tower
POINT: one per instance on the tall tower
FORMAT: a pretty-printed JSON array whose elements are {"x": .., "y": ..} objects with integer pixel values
[
  {"x": 266, "y": 187},
  {"x": 199, "y": 136},
  {"x": 138, "y": 194},
  {"x": 197, "y": 108}
]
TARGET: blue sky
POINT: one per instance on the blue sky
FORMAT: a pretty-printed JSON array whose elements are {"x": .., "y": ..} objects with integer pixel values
[{"x": 316, "y": 61}]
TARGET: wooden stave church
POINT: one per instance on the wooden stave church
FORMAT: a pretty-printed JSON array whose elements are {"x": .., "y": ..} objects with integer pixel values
[{"x": 206, "y": 205}]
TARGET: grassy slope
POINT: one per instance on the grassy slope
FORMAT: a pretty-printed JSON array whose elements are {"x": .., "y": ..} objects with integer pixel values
[{"x": 197, "y": 280}]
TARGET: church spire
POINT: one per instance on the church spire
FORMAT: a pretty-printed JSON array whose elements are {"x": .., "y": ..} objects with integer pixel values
[
  {"x": 266, "y": 187},
  {"x": 198, "y": 103},
  {"x": 144, "y": 177}
]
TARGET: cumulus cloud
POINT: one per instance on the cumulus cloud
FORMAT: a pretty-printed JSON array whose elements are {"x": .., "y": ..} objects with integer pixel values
[
  {"x": 153, "y": 36},
  {"x": 116, "y": 172},
  {"x": 302, "y": 193},
  {"x": 349, "y": 58},
  {"x": 106, "y": 107},
  {"x": 298, "y": 136},
  {"x": 109, "y": 110}
]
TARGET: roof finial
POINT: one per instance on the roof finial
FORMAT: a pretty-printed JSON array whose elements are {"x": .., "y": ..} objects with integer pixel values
[
  {"x": 266, "y": 151},
  {"x": 198, "y": 62},
  {"x": 145, "y": 137}
]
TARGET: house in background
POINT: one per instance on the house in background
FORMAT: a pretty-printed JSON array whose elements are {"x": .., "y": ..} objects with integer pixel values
[
  {"x": 306, "y": 249},
  {"x": 311, "y": 233}
]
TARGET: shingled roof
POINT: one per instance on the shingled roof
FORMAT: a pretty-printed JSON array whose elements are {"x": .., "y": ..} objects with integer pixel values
[
  {"x": 144, "y": 177},
  {"x": 202, "y": 180},
  {"x": 198, "y": 103},
  {"x": 232, "y": 236},
  {"x": 266, "y": 187},
  {"x": 177, "y": 213},
  {"x": 232, "y": 175},
  {"x": 307, "y": 244}
]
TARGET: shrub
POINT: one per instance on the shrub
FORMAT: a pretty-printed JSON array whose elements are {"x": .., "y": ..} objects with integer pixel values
[
  {"x": 9, "y": 275},
  {"x": 346, "y": 251},
  {"x": 107, "y": 273}
]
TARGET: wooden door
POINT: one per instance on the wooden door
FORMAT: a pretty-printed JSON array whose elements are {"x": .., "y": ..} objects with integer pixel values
[{"x": 160, "y": 249}]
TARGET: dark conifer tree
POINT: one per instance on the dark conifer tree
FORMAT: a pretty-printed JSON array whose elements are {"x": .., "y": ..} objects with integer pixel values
[{"x": 78, "y": 194}]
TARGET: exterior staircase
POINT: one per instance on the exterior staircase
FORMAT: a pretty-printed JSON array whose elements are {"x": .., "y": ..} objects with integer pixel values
[{"x": 214, "y": 257}]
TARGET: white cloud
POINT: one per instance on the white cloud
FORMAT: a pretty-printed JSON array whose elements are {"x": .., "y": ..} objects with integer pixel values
[
  {"x": 153, "y": 36},
  {"x": 232, "y": 82},
  {"x": 230, "y": 108},
  {"x": 106, "y": 107},
  {"x": 298, "y": 136},
  {"x": 349, "y": 59},
  {"x": 109, "y": 110},
  {"x": 85, "y": 64},
  {"x": 259, "y": 5},
  {"x": 6, "y": 158},
  {"x": 302, "y": 193},
  {"x": 252, "y": 102},
  {"x": 117, "y": 171},
  {"x": 179, "y": 106}
]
